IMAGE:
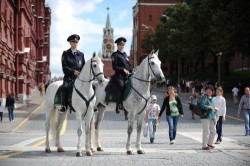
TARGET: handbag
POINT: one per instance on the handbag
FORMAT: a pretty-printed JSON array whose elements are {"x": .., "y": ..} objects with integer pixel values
[
  {"x": 145, "y": 129},
  {"x": 199, "y": 111}
]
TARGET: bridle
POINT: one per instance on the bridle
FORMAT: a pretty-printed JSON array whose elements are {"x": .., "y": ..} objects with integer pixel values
[
  {"x": 147, "y": 81},
  {"x": 93, "y": 72},
  {"x": 80, "y": 94}
]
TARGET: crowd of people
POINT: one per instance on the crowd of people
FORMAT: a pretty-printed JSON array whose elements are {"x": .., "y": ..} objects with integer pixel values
[{"x": 210, "y": 100}]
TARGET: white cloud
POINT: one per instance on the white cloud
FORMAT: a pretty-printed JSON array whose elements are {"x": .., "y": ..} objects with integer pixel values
[{"x": 69, "y": 17}]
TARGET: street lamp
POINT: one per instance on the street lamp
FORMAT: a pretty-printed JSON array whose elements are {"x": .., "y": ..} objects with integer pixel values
[
  {"x": 148, "y": 27},
  {"x": 219, "y": 54}
]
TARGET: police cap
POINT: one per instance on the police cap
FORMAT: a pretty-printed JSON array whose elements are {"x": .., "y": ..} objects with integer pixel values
[
  {"x": 121, "y": 40},
  {"x": 73, "y": 37}
]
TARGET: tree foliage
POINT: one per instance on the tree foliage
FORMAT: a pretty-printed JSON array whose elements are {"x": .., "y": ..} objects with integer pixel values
[{"x": 197, "y": 29}]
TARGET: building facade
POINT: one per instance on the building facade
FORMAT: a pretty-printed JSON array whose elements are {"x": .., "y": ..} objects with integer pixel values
[
  {"x": 107, "y": 48},
  {"x": 24, "y": 46},
  {"x": 146, "y": 16}
]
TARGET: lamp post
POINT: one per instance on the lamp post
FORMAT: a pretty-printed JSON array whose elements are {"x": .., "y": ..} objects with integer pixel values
[
  {"x": 148, "y": 27},
  {"x": 219, "y": 54}
]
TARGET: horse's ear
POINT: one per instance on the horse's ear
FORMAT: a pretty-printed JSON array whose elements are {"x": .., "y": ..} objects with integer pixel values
[
  {"x": 94, "y": 54},
  {"x": 156, "y": 53},
  {"x": 152, "y": 52}
]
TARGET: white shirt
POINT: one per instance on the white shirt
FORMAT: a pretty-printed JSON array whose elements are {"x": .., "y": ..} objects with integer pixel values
[
  {"x": 153, "y": 111},
  {"x": 1, "y": 109},
  {"x": 235, "y": 91},
  {"x": 220, "y": 105}
]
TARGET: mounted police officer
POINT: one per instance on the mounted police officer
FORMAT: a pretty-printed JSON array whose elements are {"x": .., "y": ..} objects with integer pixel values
[
  {"x": 122, "y": 67},
  {"x": 72, "y": 64}
]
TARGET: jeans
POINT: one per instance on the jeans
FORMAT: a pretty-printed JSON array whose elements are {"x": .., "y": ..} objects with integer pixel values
[
  {"x": 219, "y": 128},
  {"x": 151, "y": 124},
  {"x": 10, "y": 111},
  {"x": 172, "y": 124},
  {"x": 247, "y": 121}
]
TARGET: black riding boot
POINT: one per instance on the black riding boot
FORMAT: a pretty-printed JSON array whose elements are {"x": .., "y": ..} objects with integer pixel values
[{"x": 64, "y": 100}]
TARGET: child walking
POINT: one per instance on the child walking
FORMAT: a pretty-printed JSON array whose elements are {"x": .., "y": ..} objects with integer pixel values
[{"x": 151, "y": 117}]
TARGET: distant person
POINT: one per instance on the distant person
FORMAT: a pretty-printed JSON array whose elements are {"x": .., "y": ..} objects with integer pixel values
[
  {"x": 10, "y": 102},
  {"x": 245, "y": 107},
  {"x": 41, "y": 89},
  {"x": 173, "y": 106},
  {"x": 192, "y": 102},
  {"x": 220, "y": 104},
  {"x": 235, "y": 92},
  {"x": 208, "y": 123},
  {"x": 151, "y": 117},
  {"x": 1, "y": 111}
]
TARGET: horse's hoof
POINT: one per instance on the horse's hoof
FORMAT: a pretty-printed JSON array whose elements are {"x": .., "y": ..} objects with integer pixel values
[
  {"x": 47, "y": 150},
  {"x": 78, "y": 154},
  {"x": 129, "y": 152},
  {"x": 60, "y": 149},
  {"x": 140, "y": 152},
  {"x": 92, "y": 149},
  {"x": 100, "y": 149},
  {"x": 89, "y": 153}
]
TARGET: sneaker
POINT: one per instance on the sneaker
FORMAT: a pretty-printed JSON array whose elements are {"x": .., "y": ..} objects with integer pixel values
[
  {"x": 217, "y": 142},
  {"x": 172, "y": 142},
  {"x": 206, "y": 148},
  {"x": 247, "y": 134},
  {"x": 151, "y": 140}
]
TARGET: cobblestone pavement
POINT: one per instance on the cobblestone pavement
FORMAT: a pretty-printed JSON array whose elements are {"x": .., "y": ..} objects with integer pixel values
[{"x": 22, "y": 141}]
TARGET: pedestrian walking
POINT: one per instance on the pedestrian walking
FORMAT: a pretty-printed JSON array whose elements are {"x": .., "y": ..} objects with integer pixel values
[
  {"x": 1, "y": 111},
  {"x": 10, "y": 101},
  {"x": 245, "y": 107},
  {"x": 151, "y": 117},
  {"x": 192, "y": 102},
  {"x": 235, "y": 92},
  {"x": 173, "y": 106},
  {"x": 208, "y": 122},
  {"x": 220, "y": 104}
]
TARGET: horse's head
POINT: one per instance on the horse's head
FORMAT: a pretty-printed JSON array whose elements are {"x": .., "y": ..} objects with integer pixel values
[
  {"x": 155, "y": 67},
  {"x": 97, "y": 68}
]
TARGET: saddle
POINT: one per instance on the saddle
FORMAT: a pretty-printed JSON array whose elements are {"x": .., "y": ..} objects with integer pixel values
[
  {"x": 58, "y": 98},
  {"x": 112, "y": 88}
]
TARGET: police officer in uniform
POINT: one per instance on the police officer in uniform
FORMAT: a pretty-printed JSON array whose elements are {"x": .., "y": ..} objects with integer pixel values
[
  {"x": 122, "y": 67},
  {"x": 72, "y": 64}
]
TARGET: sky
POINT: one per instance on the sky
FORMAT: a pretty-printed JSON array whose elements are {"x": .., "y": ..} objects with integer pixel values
[{"x": 87, "y": 18}]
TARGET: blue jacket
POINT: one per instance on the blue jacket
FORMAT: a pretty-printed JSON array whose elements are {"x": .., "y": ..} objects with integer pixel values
[
  {"x": 72, "y": 62},
  {"x": 119, "y": 63},
  {"x": 205, "y": 102}
]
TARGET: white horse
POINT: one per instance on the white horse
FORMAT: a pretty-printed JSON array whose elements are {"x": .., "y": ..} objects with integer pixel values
[
  {"x": 83, "y": 101},
  {"x": 136, "y": 102}
]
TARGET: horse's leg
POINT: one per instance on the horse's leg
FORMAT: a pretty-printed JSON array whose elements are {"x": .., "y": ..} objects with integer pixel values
[
  {"x": 100, "y": 115},
  {"x": 47, "y": 127},
  {"x": 131, "y": 118},
  {"x": 87, "y": 133},
  {"x": 139, "y": 129},
  {"x": 61, "y": 119},
  {"x": 79, "y": 133}
]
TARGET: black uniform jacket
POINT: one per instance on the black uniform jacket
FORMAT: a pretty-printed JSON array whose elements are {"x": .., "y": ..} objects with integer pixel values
[
  {"x": 120, "y": 62},
  {"x": 72, "y": 62}
]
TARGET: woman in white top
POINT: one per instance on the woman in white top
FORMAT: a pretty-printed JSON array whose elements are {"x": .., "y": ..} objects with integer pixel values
[{"x": 220, "y": 104}]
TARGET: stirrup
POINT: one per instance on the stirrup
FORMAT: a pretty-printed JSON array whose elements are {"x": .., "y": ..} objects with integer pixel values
[
  {"x": 120, "y": 107},
  {"x": 63, "y": 109}
]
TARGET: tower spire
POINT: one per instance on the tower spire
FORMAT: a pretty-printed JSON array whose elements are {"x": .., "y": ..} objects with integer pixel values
[{"x": 108, "y": 24}]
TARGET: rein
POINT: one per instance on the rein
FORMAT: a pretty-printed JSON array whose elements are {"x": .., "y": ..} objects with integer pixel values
[
  {"x": 147, "y": 81},
  {"x": 80, "y": 94}
]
